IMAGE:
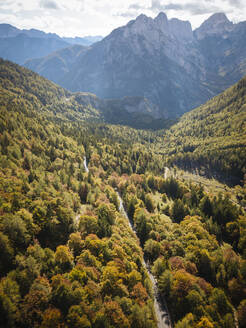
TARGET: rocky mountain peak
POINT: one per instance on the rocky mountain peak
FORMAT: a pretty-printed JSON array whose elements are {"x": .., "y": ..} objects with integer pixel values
[
  {"x": 142, "y": 21},
  {"x": 152, "y": 28},
  {"x": 138, "y": 26},
  {"x": 218, "y": 18},
  {"x": 181, "y": 29},
  {"x": 142, "y": 18},
  {"x": 161, "y": 23},
  {"x": 216, "y": 24}
]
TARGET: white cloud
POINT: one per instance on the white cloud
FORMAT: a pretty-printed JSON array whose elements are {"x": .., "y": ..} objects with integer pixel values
[
  {"x": 90, "y": 17},
  {"x": 49, "y": 4}
]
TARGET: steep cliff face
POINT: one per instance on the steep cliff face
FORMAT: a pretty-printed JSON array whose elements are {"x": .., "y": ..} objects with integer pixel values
[
  {"x": 148, "y": 57},
  {"x": 217, "y": 24},
  {"x": 162, "y": 60}
]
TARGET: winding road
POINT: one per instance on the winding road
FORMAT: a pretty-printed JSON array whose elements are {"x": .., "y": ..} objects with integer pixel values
[
  {"x": 162, "y": 315},
  {"x": 85, "y": 165}
]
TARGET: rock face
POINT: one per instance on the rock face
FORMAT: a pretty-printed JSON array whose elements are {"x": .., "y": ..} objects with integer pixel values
[
  {"x": 138, "y": 105},
  {"x": 217, "y": 24},
  {"x": 162, "y": 60}
]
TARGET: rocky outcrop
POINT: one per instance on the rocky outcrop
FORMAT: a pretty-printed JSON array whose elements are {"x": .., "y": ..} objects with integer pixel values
[{"x": 218, "y": 24}]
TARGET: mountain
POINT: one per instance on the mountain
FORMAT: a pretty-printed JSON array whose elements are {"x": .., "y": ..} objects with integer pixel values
[
  {"x": 40, "y": 94},
  {"x": 163, "y": 60},
  {"x": 218, "y": 24},
  {"x": 8, "y": 31},
  {"x": 56, "y": 64},
  {"x": 85, "y": 41},
  {"x": 21, "y": 45}
]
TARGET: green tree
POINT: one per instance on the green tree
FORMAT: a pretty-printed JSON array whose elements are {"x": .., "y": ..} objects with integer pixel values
[
  {"x": 242, "y": 314},
  {"x": 106, "y": 218},
  {"x": 178, "y": 210},
  {"x": 36, "y": 302}
]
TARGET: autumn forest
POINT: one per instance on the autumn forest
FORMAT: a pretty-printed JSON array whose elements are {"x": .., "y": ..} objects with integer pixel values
[{"x": 71, "y": 258}]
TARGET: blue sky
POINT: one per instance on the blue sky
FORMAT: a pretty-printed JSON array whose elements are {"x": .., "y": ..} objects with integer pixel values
[{"x": 100, "y": 17}]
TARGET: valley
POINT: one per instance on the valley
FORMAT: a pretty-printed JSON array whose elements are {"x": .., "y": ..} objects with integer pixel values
[
  {"x": 71, "y": 184},
  {"x": 123, "y": 169}
]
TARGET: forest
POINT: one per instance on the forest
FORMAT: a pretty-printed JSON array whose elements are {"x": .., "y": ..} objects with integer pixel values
[{"x": 69, "y": 258}]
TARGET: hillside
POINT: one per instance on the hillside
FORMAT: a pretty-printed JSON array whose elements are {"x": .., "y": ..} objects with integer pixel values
[
  {"x": 57, "y": 63},
  {"x": 212, "y": 138},
  {"x": 160, "y": 59},
  {"x": 36, "y": 92},
  {"x": 77, "y": 106}
]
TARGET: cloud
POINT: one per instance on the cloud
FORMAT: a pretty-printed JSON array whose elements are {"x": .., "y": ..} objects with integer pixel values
[
  {"x": 236, "y": 3},
  {"x": 91, "y": 17},
  {"x": 126, "y": 14},
  {"x": 194, "y": 8},
  {"x": 156, "y": 5},
  {"x": 48, "y": 4},
  {"x": 189, "y": 8},
  {"x": 136, "y": 6}
]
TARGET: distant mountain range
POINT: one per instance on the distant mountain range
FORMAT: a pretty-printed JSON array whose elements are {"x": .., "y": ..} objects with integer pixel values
[
  {"x": 20, "y": 45},
  {"x": 163, "y": 60}
]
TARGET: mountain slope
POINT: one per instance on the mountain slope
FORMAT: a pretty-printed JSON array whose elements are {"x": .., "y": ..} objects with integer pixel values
[
  {"x": 40, "y": 94},
  {"x": 139, "y": 59},
  {"x": 133, "y": 111},
  {"x": 163, "y": 60},
  {"x": 57, "y": 64},
  {"x": 212, "y": 137},
  {"x": 22, "y": 47}
]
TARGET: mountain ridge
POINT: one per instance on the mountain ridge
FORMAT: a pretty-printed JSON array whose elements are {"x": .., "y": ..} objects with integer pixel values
[
  {"x": 21, "y": 45},
  {"x": 8, "y": 30},
  {"x": 163, "y": 60}
]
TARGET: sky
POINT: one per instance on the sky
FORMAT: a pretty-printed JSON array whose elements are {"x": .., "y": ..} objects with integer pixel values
[{"x": 100, "y": 17}]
